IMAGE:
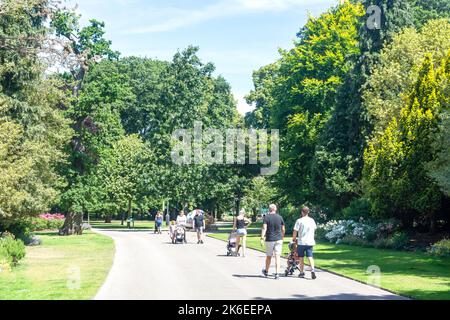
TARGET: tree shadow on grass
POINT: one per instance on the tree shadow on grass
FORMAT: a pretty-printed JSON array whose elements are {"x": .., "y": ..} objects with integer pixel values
[{"x": 47, "y": 233}]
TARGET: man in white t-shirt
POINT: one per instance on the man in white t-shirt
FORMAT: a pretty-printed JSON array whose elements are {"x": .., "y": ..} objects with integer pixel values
[{"x": 304, "y": 230}]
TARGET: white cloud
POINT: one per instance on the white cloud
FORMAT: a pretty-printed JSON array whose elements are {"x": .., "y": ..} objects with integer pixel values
[{"x": 175, "y": 18}]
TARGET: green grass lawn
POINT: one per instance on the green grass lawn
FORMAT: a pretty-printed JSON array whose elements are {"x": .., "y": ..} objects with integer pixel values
[
  {"x": 62, "y": 268},
  {"x": 116, "y": 224},
  {"x": 412, "y": 274}
]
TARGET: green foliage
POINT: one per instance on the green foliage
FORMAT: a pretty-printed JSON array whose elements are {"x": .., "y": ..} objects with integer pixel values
[
  {"x": 399, "y": 240},
  {"x": 398, "y": 69},
  {"x": 33, "y": 130},
  {"x": 358, "y": 208},
  {"x": 338, "y": 160},
  {"x": 39, "y": 224},
  {"x": 440, "y": 248},
  {"x": 299, "y": 91},
  {"x": 425, "y": 10},
  {"x": 11, "y": 250},
  {"x": 259, "y": 194},
  {"x": 290, "y": 216},
  {"x": 396, "y": 181},
  {"x": 355, "y": 241}
]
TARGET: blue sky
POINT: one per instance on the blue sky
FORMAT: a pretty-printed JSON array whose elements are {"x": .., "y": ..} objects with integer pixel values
[{"x": 238, "y": 36}]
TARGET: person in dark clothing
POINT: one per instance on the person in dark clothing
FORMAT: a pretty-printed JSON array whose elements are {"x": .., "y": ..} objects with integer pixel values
[
  {"x": 272, "y": 235},
  {"x": 199, "y": 225}
]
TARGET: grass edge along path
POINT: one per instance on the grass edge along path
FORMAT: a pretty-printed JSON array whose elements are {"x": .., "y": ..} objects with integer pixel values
[
  {"x": 410, "y": 274},
  {"x": 62, "y": 268}
]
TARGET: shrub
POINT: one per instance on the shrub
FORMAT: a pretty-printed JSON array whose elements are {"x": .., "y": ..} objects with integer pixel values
[
  {"x": 440, "y": 248},
  {"x": 387, "y": 228},
  {"x": 290, "y": 216},
  {"x": 320, "y": 234},
  {"x": 399, "y": 240},
  {"x": 359, "y": 208},
  {"x": 11, "y": 250},
  {"x": 337, "y": 230},
  {"x": 46, "y": 221},
  {"x": 21, "y": 229},
  {"x": 354, "y": 241},
  {"x": 382, "y": 243}
]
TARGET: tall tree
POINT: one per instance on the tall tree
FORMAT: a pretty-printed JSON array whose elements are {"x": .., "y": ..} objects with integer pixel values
[
  {"x": 339, "y": 158},
  {"x": 396, "y": 181},
  {"x": 33, "y": 128},
  {"x": 397, "y": 70},
  {"x": 304, "y": 92}
]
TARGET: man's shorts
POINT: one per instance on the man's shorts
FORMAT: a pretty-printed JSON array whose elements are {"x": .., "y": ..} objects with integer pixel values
[
  {"x": 274, "y": 248},
  {"x": 302, "y": 250},
  {"x": 199, "y": 229}
]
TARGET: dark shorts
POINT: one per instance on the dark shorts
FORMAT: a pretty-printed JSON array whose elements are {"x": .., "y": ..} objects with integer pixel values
[
  {"x": 199, "y": 229},
  {"x": 302, "y": 250}
]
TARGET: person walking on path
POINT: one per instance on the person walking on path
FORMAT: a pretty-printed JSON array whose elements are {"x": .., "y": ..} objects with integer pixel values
[
  {"x": 241, "y": 222},
  {"x": 199, "y": 225},
  {"x": 272, "y": 234},
  {"x": 158, "y": 222},
  {"x": 304, "y": 230}
]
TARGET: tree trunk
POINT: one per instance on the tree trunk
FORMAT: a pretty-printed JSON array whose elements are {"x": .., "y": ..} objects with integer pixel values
[
  {"x": 108, "y": 219},
  {"x": 73, "y": 224},
  {"x": 219, "y": 214},
  {"x": 238, "y": 206},
  {"x": 129, "y": 209},
  {"x": 432, "y": 223},
  {"x": 254, "y": 215}
]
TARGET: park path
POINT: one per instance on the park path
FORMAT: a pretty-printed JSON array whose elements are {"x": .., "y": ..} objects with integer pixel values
[{"x": 148, "y": 267}]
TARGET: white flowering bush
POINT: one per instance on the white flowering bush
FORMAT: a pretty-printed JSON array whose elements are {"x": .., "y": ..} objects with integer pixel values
[{"x": 335, "y": 231}]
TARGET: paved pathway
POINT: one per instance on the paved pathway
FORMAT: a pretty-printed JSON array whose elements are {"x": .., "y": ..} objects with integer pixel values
[{"x": 148, "y": 267}]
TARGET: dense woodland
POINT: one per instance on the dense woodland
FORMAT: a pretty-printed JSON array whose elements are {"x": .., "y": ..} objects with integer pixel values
[{"x": 363, "y": 116}]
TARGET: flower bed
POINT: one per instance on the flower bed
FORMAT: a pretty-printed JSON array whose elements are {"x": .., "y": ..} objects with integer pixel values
[
  {"x": 384, "y": 234},
  {"x": 47, "y": 221}
]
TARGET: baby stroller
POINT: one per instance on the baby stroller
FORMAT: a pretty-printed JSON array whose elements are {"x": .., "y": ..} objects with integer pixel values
[
  {"x": 179, "y": 235},
  {"x": 292, "y": 262},
  {"x": 231, "y": 245}
]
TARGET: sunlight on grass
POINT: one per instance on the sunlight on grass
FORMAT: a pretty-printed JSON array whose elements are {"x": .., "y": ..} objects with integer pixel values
[
  {"x": 116, "y": 224},
  {"x": 411, "y": 274},
  {"x": 61, "y": 268}
]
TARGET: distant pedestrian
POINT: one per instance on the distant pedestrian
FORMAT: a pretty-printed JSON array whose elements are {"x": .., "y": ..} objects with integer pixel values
[
  {"x": 273, "y": 235},
  {"x": 304, "y": 230},
  {"x": 241, "y": 222},
  {"x": 199, "y": 225},
  {"x": 158, "y": 222}
]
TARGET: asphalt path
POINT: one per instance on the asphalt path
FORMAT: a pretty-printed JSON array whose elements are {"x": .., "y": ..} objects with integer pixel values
[{"x": 148, "y": 266}]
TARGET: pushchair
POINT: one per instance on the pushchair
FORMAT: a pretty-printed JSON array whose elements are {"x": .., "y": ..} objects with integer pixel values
[
  {"x": 292, "y": 261},
  {"x": 178, "y": 234},
  {"x": 232, "y": 249}
]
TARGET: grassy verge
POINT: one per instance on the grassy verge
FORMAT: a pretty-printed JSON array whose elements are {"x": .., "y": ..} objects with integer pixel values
[
  {"x": 62, "y": 268},
  {"x": 116, "y": 224},
  {"x": 412, "y": 274}
]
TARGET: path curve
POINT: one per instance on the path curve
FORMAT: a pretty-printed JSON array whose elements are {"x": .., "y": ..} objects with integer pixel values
[{"x": 148, "y": 267}]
